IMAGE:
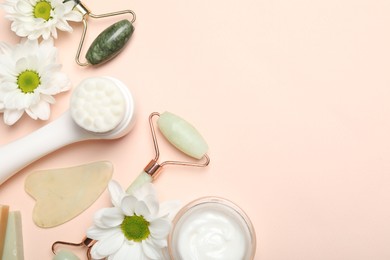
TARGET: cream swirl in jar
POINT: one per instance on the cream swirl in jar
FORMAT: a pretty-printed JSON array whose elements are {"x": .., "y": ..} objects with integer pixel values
[{"x": 212, "y": 228}]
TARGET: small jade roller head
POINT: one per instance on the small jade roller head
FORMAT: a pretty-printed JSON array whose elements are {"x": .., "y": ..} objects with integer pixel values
[
  {"x": 109, "y": 42},
  {"x": 182, "y": 135}
]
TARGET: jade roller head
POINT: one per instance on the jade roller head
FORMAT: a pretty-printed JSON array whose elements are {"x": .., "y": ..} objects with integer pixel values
[
  {"x": 180, "y": 134},
  {"x": 100, "y": 108},
  {"x": 108, "y": 43}
]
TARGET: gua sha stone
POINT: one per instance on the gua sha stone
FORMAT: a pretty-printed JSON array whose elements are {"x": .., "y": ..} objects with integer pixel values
[
  {"x": 62, "y": 194},
  {"x": 109, "y": 42}
]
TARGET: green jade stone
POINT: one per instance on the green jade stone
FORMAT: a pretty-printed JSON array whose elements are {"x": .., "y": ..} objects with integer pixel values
[
  {"x": 182, "y": 135},
  {"x": 65, "y": 255},
  {"x": 109, "y": 42}
]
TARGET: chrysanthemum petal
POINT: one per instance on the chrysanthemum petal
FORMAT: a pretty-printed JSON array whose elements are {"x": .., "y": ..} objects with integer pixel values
[
  {"x": 24, "y": 101},
  {"x": 98, "y": 233},
  {"x": 128, "y": 251},
  {"x": 50, "y": 33},
  {"x": 49, "y": 99},
  {"x": 11, "y": 116},
  {"x": 74, "y": 16},
  {"x": 7, "y": 66},
  {"x": 152, "y": 204},
  {"x": 141, "y": 209},
  {"x": 160, "y": 243},
  {"x": 48, "y": 46},
  {"x": 28, "y": 45},
  {"x": 31, "y": 35},
  {"x": 95, "y": 254},
  {"x": 160, "y": 228},
  {"x": 24, "y": 7},
  {"x": 11, "y": 100},
  {"x": 64, "y": 26},
  {"x": 116, "y": 192},
  {"x": 5, "y": 48},
  {"x": 41, "y": 110},
  {"x": 110, "y": 244},
  {"x": 128, "y": 205},
  {"x": 109, "y": 217},
  {"x": 22, "y": 64},
  {"x": 150, "y": 251},
  {"x": 54, "y": 84}
]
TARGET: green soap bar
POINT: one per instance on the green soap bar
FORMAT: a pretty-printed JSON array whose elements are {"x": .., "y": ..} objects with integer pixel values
[
  {"x": 182, "y": 135},
  {"x": 110, "y": 42},
  {"x": 13, "y": 246},
  {"x": 65, "y": 255}
]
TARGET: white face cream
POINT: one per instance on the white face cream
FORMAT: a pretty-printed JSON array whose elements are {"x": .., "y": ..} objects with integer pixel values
[{"x": 212, "y": 229}]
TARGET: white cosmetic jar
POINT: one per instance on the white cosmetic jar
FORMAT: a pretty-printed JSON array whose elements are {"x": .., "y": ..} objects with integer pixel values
[{"x": 212, "y": 228}]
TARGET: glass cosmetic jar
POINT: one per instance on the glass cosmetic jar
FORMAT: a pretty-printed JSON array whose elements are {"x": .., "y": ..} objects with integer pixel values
[{"x": 212, "y": 228}]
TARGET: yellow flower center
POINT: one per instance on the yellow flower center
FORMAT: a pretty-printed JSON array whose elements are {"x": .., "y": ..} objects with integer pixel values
[
  {"x": 135, "y": 228},
  {"x": 28, "y": 81},
  {"x": 42, "y": 10}
]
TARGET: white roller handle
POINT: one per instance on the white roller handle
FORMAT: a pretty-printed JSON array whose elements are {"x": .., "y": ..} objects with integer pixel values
[{"x": 18, "y": 154}]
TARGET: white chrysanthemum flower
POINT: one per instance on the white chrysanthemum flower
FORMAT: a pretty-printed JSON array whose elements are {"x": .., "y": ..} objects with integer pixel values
[
  {"x": 29, "y": 77},
  {"x": 35, "y": 18},
  {"x": 136, "y": 227}
]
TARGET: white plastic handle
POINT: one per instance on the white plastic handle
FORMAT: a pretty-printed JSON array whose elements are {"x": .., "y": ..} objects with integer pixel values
[{"x": 18, "y": 154}]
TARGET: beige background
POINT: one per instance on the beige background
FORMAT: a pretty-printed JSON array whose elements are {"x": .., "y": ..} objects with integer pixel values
[{"x": 292, "y": 96}]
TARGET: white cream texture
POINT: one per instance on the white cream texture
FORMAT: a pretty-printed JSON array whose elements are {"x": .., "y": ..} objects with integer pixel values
[{"x": 212, "y": 233}]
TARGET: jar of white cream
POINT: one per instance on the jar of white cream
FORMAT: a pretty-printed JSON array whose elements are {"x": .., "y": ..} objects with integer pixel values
[{"x": 212, "y": 228}]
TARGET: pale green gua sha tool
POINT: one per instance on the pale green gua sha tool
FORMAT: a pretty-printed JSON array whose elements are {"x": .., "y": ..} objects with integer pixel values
[
  {"x": 108, "y": 43},
  {"x": 180, "y": 134}
]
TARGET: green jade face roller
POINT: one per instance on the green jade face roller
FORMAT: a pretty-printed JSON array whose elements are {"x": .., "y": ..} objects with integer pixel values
[
  {"x": 180, "y": 134},
  {"x": 108, "y": 43}
]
